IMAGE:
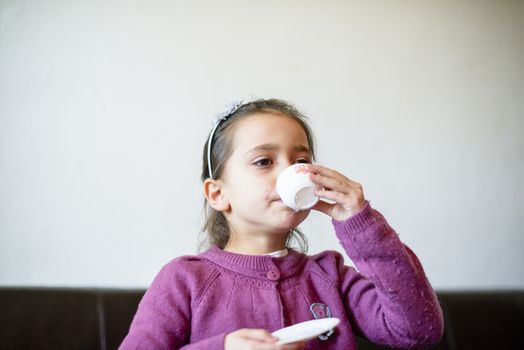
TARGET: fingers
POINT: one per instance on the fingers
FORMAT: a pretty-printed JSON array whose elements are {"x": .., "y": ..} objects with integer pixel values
[
  {"x": 326, "y": 172},
  {"x": 338, "y": 197},
  {"x": 319, "y": 169},
  {"x": 257, "y": 334},
  {"x": 257, "y": 339},
  {"x": 257, "y": 345},
  {"x": 336, "y": 190},
  {"x": 293, "y": 346},
  {"x": 331, "y": 179},
  {"x": 330, "y": 183},
  {"x": 347, "y": 195},
  {"x": 324, "y": 207}
]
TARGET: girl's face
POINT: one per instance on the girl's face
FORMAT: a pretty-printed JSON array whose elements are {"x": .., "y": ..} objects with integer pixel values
[{"x": 264, "y": 144}]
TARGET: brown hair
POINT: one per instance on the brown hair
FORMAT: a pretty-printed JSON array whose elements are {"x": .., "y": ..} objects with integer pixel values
[{"x": 215, "y": 223}]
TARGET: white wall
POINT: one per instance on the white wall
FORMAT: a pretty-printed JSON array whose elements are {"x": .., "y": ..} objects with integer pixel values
[{"x": 105, "y": 106}]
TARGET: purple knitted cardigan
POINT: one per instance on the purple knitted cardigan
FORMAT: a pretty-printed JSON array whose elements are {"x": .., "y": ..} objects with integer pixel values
[{"x": 195, "y": 301}]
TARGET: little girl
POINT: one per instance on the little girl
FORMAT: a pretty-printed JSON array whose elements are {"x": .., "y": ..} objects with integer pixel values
[{"x": 250, "y": 282}]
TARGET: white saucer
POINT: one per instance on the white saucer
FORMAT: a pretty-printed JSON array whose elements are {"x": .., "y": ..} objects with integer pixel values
[{"x": 305, "y": 330}]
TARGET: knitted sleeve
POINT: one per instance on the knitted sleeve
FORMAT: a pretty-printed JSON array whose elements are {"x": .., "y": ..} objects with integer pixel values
[
  {"x": 163, "y": 318},
  {"x": 391, "y": 301}
]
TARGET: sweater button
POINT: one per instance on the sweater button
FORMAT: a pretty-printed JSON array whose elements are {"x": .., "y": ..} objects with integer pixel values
[{"x": 273, "y": 275}]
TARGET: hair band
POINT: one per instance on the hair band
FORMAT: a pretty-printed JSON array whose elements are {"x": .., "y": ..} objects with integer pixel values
[{"x": 230, "y": 109}]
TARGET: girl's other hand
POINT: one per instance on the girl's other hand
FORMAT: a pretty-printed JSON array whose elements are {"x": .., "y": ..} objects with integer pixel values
[
  {"x": 256, "y": 339},
  {"x": 348, "y": 195}
]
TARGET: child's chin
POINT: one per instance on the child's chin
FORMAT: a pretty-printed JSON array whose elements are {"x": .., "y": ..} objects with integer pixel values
[{"x": 295, "y": 218}]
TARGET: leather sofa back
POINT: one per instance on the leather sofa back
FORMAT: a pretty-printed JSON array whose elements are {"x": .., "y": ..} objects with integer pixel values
[
  {"x": 62, "y": 318},
  {"x": 49, "y": 318}
]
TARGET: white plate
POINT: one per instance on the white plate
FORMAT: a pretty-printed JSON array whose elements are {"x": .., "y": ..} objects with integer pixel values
[{"x": 305, "y": 330}]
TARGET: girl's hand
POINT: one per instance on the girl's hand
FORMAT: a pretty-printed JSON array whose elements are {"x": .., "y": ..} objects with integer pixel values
[
  {"x": 256, "y": 339},
  {"x": 347, "y": 194}
]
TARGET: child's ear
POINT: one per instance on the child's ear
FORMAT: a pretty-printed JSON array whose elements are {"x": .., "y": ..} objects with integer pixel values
[{"x": 215, "y": 195}]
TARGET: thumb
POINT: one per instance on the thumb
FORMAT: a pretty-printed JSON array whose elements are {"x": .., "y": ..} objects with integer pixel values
[
  {"x": 259, "y": 334},
  {"x": 324, "y": 207}
]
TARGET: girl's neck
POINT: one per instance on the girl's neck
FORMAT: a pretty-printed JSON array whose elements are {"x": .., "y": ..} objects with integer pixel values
[{"x": 256, "y": 245}]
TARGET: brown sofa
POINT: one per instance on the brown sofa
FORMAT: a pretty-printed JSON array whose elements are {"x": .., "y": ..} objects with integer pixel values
[{"x": 64, "y": 318}]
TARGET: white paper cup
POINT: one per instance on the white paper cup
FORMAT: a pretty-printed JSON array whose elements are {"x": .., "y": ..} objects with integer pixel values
[{"x": 296, "y": 189}]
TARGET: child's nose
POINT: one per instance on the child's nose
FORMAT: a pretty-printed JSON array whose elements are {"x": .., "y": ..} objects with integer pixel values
[
  {"x": 278, "y": 170},
  {"x": 283, "y": 166}
]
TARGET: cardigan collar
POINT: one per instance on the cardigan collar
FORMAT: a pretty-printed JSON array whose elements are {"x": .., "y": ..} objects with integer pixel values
[{"x": 256, "y": 265}]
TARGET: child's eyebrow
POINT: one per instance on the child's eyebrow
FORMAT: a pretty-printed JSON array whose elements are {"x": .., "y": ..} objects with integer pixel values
[{"x": 274, "y": 147}]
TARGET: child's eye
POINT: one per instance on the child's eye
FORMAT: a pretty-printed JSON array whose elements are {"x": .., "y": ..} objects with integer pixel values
[
  {"x": 263, "y": 162},
  {"x": 303, "y": 160}
]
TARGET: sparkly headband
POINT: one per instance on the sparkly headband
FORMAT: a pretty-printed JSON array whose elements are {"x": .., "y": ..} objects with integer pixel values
[{"x": 231, "y": 108}]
